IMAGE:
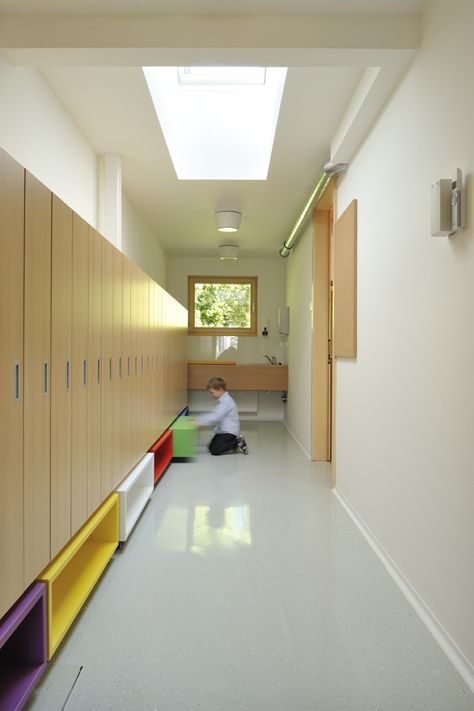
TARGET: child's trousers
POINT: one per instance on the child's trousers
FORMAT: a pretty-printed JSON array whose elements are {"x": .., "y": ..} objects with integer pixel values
[{"x": 222, "y": 443}]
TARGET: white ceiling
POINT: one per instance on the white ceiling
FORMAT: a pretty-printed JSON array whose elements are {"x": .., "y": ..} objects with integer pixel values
[
  {"x": 342, "y": 63},
  {"x": 113, "y": 108},
  {"x": 211, "y": 7}
]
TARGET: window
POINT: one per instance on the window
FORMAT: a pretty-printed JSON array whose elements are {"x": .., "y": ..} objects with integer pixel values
[{"x": 222, "y": 305}]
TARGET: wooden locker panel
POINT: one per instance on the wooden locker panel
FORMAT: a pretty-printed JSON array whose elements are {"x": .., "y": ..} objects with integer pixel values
[
  {"x": 125, "y": 386},
  {"x": 95, "y": 371},
  {"x": 107, "y": 369},
  {"x": 345, "y": 283},
  {"x": 135, "y": 383},
  {"x": 79, "y": 374},
  {"x": 118, "y": 470},
  {"x": 61, "y": 362},
  {"x": 37, "y": 417},
  {"x": 12, "y": 185},
  {"x": 142, "y": 444}
]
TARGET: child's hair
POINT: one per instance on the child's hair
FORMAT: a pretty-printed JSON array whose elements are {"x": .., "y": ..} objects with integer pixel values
[{"x": 217, "y": 383}]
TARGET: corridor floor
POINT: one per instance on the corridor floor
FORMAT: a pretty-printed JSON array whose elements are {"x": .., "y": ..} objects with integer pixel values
[{"x": 246, "y": 587}]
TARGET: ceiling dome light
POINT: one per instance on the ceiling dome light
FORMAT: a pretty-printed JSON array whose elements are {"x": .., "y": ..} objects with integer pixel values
[
  {"x": 229, "y": 251},
  {"x": 228, "y": 220}
]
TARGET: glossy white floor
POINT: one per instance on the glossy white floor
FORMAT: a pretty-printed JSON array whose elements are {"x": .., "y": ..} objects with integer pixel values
[{"x": 245, "y": 587}]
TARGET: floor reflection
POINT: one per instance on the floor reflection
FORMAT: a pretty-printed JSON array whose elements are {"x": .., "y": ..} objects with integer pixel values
[{"x": 204, "y": 528}]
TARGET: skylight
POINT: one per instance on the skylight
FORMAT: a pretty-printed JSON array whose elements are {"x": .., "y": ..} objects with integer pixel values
[{"x": 219, "y": 123}]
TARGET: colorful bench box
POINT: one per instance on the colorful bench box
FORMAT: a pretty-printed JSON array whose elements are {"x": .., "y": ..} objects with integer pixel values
[
  {"x": 163, "y": 454},
  {"x": 184, "y": 438},
  {"x": 72, "y": 575},
  {"x": 22, "y": 648},
  {"x": 134, "y": 493}
]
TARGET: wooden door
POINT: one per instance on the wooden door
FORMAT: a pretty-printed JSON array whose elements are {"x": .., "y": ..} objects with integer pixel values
[
  {"x": 118, "y": 469},
  {"x": 79, "y": 372},
  {"x": 95, "y": 371},
  {"x": 12, "y": 181},
  {"x": 37, "y": 420},
  {"x": 345, "y": 284},
  {"x": 108, "y": 373},
  {"x": 61, "y": 360}
]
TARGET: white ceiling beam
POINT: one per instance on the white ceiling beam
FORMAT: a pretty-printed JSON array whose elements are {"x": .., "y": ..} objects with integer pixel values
[{"x": 214, "y": 32}]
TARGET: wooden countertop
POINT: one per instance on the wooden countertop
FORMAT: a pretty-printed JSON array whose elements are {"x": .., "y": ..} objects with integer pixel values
[{"x": 239, "y": 377}]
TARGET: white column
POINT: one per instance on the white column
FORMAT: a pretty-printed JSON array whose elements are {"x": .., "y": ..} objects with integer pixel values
[{"x": 110, "y": 198}]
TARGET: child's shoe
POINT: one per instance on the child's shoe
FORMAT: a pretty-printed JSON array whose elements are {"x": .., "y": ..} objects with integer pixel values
[{"x": 242, "y": 445}]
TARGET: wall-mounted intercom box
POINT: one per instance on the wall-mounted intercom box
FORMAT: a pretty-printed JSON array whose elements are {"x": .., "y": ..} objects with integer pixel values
[{"x": 447, "y": 206}]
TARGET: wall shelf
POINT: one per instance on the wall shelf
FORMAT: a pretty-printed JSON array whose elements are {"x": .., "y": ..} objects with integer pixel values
[
  {"x": 134, "y": 493},
  {"x": 184, "y": 438},
  {"x": 163, "y": 453},
  {"x": 73, "y": 574},
  {"x": 22, "y": 648}
]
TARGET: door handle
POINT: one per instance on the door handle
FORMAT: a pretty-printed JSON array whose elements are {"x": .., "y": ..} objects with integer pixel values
[
  {"x": 17, "y": 381},
  {"x": 45, "y": 377},
  {"x": 68, "y": 375}
]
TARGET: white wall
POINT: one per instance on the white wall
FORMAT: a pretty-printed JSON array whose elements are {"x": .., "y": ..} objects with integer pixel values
[
  {"x": 271, "y": 273},
  {"x": 299, "y": 298},
  {"x": 140, "y": 244},
  {"x": 37, "y": 131},
  {"x": 405, "y": 406}
]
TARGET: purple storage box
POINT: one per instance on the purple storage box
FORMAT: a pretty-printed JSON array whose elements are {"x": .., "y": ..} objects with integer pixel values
[{"x": 22, "y": 648}]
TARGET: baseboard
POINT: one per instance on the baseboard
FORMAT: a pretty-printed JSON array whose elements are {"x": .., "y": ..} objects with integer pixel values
[
  {"x": 297, "y": 440},
  {"x": 445, "y": 641}
]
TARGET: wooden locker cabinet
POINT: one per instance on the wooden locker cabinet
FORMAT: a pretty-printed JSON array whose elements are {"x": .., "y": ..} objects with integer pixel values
[
  {"x": 107, "y": 369},
  {"x": 79, "y": 372},
  {"x": 12, "y": 181},
  {"x": 125, "y": 385},
  {"x": 61, "y": 362},
  {"x": 118, "y": 471},
  {"x": 95, "y": 371},
  {"x": 37, "y": 377}
]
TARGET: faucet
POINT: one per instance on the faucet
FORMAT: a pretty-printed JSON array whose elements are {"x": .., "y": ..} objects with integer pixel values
[{"x": 272, "y": 360}]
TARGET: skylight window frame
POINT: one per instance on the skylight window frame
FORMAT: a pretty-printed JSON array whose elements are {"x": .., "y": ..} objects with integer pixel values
[{"x": 219, "y": 79}]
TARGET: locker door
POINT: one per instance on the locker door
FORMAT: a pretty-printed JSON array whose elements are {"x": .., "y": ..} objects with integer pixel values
[
  {"x": 12, "y": 181},
  {"x": 135, "y": 380},
  {"x": 118, "y": 472},
  {"x": 37, "y": 424},
  {"x": 80, "y": 372},
  {"x": 61, "y": 348},
  {"x": 107, "y": 368},
  {"x": 95, "y": 368},
  {"x": 126, "y": 368},
  {"x": 159, "y": 360}
]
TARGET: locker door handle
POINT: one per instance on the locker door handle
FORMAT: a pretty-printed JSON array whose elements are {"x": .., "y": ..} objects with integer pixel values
[
  {"x": 120, "y": 367},
  {"x": 98, "y": 371},
  {"x": 17, "y": 395},
  {"x": 110, "y": 368},
  {"x": 128, "y": 366},
  {"x": 45, "y": 377},
  {"x": 142, "y": 365},
  {"x": 84, "y": 372},
  {"x": 68, "y": 375}
]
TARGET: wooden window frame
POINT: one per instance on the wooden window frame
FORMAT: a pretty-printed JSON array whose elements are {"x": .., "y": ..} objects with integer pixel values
[{"x": 209, "y": 331}]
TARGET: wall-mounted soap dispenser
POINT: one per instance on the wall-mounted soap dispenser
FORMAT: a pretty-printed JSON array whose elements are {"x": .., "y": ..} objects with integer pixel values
[{"x": 284, "y": 320}]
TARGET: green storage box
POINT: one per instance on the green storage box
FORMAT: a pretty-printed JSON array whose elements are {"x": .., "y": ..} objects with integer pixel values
[{"x": 184, "y": 437}]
